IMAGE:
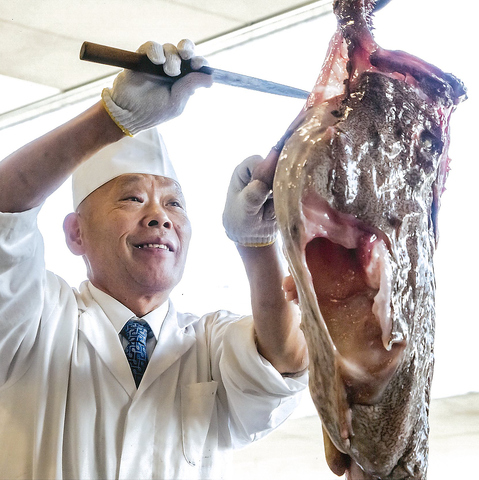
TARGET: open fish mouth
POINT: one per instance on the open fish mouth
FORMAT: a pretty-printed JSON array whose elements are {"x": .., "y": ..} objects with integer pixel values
[{"x": 350, "y": 272}]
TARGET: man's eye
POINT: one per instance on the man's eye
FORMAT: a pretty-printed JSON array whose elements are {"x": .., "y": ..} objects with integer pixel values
[
  {"x": 134, "y": 199},
  {"x": 175, "y": 203}
]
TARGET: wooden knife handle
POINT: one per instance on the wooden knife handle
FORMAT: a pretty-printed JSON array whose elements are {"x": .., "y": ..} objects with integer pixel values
[{"x": 93, "y": 52}]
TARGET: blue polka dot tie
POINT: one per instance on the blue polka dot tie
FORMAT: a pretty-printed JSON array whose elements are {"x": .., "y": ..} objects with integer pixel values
[{"x": 136, "y": 333}]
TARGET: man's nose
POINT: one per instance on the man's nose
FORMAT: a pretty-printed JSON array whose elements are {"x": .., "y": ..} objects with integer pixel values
[{"x": 158, "y": 217}]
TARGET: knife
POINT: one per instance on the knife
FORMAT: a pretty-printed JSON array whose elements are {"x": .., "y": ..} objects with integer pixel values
[{"x": 93, "y": 52}]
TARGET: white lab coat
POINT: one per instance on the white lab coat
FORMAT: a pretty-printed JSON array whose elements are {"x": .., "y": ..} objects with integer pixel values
[{"x": 69, "y": 408}]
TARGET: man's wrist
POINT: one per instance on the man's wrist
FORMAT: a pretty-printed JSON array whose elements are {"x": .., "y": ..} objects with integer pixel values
[{"x": 116, "y": 113}]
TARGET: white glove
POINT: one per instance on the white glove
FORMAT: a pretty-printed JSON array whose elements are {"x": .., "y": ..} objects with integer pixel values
[
  {"x": 248, "y": 216},
  {"x": 138, "y": 101}
]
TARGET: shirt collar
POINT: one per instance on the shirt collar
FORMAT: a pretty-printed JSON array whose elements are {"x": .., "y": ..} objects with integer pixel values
[{"x": 118, "y": 314}]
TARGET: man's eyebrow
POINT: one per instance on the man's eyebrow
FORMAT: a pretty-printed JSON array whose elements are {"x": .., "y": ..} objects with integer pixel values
[{"x": 128, "y": 180}]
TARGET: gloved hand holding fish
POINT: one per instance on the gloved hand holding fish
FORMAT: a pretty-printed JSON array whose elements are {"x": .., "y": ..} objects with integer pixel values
[
  {"x": 356, "y": 193},
  {"x": 249, "y": 218}
]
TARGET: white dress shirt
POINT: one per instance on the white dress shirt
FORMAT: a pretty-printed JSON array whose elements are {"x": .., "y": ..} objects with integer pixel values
[{"x": 118, "y": 315}]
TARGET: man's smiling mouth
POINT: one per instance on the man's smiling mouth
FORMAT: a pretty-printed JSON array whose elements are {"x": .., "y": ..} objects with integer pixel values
[{"x": 160, "y": 246}]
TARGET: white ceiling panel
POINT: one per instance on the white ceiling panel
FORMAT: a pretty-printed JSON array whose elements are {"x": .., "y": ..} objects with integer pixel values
[
  {"x": 246, "y": 10},
  {"x": 121, "y": 20},
  {"x": 40, "y": 40},
  {"x": 44, "y": 58}
]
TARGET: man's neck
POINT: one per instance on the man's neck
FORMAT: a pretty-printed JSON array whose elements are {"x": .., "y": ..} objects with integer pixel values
[{"x": 140, "y": 305}]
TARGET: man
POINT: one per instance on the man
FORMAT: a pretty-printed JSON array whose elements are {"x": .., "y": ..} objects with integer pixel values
[{"x": 72, "y": 404}]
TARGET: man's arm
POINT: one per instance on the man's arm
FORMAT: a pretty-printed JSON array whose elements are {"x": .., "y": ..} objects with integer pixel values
[
  {"x": 276, "y": 320},
  {"x": 134, "y": 103},
  {"x": 29, "y": 175},
  {"x": 250, "y": 222}
]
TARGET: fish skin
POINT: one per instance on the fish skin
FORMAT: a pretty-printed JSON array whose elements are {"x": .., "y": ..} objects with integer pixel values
[{"x": 370, "y": 151}]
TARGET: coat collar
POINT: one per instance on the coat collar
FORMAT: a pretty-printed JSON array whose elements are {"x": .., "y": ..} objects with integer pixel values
[
  {"x": 173, "y": 342},
  {"x": 118, "y": 314}
]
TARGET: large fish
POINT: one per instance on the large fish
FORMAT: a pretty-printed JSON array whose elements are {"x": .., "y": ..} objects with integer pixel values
[{"x": 356, "y": 194}]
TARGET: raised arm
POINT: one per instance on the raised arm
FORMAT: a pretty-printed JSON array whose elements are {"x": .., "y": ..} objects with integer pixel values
[
  {"x": 32, "y": 173},
  {"x": 135, "y": 102},
  {"x": 250, "y": 222},
  {"x": 278, "y": 336}
]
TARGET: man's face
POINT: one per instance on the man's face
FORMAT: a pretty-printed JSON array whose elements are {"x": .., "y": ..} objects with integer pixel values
[{"x": 135, "y": 234}]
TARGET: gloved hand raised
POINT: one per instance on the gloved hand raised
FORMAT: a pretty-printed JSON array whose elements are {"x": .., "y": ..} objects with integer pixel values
[
  {"x": 249, "y": 217},
  {"x": 138, "y": 101}
]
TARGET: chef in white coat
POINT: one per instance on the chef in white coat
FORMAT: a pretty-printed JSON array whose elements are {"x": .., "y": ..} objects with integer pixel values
[{"x": 71, "y": 405}]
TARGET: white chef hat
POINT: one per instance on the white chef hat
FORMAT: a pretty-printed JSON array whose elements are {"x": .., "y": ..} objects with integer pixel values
[{"x": 143, "y": 153}]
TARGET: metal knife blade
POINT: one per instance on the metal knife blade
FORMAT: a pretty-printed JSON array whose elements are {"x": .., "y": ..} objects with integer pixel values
[
  {"x": 96, "y": 53},
  {"x": 258, "y": 84}
]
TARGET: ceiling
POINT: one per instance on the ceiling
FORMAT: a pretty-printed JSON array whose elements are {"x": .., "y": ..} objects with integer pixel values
[{"x": 40, "y": 40}]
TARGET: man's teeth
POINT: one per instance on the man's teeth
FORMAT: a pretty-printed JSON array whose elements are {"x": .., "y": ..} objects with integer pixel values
[{"x": 154, "y": 245}]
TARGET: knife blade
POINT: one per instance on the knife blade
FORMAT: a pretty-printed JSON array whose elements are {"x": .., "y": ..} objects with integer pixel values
[{"x": 94, "y": 52}]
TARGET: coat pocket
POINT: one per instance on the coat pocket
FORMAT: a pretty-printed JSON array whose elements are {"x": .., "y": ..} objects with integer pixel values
[{"x": 197, "y": 403}]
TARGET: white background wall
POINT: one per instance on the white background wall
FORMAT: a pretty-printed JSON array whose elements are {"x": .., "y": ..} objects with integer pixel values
[{"x": 221, "y": 126}]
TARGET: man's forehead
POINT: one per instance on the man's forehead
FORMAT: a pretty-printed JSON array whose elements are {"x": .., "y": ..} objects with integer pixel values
[{"x": 128, "y": 180}]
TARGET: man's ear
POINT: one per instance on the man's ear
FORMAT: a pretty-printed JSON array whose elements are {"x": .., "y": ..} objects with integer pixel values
[{"x": 71, "y": 227}]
